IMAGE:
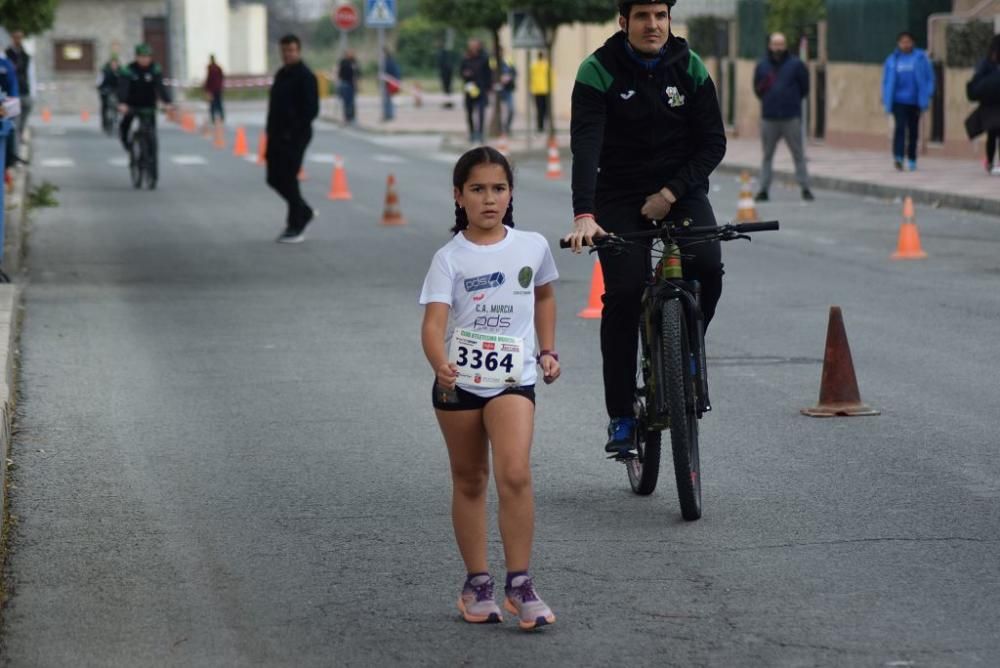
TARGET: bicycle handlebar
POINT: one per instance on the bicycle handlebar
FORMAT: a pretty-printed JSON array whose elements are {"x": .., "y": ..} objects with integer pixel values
[{"x": 741, "y": 228}]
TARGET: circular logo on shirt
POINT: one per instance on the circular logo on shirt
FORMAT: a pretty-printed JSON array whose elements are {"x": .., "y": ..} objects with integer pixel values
[{"x": 525, "y": 276}]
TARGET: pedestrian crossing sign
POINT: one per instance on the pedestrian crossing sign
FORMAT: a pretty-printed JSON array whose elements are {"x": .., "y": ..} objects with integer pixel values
[
  {"x": 525, "y": 31},
  {"x": 380, "y": 13}
]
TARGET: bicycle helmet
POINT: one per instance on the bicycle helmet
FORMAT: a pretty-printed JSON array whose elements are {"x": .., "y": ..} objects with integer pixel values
[
  {"x": 625, "y": 6},
  {"x": 143, "y": 50}
]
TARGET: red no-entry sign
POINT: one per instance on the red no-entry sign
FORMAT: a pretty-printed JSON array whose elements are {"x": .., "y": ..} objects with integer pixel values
[{"x": 346, "y": 17}]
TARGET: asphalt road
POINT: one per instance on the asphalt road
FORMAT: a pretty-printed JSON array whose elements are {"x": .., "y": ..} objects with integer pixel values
[{"x": 226, "y": 454}]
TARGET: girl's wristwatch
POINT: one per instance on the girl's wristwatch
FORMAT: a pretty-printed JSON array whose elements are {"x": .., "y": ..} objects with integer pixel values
[{"x": 551, "y": 353}]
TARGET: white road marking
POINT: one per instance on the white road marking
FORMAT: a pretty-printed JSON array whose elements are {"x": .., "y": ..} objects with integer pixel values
[
  {"x": 118, "y": 162},
  {"x": 449, "y": 158},
  {"x": 323, "y": 158},
  {"x": 58, "y": 162},
  {"x": 188, "y": 160},
  {"x": 389, "y": 159},
  {"x": 250, "y": 158}
]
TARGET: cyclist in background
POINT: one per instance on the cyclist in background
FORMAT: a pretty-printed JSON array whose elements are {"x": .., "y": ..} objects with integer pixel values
[
  {"x": 107, "y": 83},
  {"x": 647, "y": 132},
  {"x": 140, "y": 86}
]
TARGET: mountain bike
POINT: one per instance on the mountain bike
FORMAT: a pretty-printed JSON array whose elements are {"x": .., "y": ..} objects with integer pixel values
[
  {"x": 672, "y": 378},
  {"x": 143, "y": 150}
]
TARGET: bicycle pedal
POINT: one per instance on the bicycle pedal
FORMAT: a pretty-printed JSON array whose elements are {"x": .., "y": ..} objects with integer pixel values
[{"x": 624, "y": 456}]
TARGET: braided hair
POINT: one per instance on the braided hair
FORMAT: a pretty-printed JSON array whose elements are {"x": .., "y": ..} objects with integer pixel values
[{"x": 483, "y": 155}]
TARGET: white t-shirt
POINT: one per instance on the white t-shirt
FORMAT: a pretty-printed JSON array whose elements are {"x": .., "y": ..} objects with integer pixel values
[{"x": 492, "y": 289}]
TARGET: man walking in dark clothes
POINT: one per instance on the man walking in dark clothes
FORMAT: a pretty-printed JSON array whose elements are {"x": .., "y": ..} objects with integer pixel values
[{"x": 293, "y": 105}]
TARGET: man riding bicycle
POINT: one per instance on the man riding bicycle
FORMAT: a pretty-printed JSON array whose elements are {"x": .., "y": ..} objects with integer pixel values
[
  {"x": 140, "y": 85},
  {"x": 107, "y": 83},
  {"x": 647, "y": 132}
]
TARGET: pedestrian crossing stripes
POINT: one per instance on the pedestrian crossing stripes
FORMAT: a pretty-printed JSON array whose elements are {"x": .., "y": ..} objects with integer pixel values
[
  {"x": 188, "y": 160},
  {"x": 58, "y": 162},
  {"x": 389, "y": 159}
]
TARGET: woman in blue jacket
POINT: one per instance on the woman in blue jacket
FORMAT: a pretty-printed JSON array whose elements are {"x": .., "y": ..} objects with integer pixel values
[{"x": 907, "y": 88}]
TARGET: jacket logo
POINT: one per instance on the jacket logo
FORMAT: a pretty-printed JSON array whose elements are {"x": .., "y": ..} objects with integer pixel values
[
  {"x": 629, "y": 95},
  {"x": 674, "y": 97}
]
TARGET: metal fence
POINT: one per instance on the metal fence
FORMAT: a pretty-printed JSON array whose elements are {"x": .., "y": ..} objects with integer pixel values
[
  {"x": 864, "y": 31},
  {"x": 751, "y": 17}
]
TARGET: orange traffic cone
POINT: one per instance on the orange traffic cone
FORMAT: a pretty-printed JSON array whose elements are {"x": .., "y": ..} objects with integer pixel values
[
  {"x": 392, "y": 214},
  {"x": 189, "y": 124},
  {"x": 838, "y": 390},
  {"x": 338, "y": 182},
  {"x": 262, "y": 148},
  {"x": 595, "y": 305},
  {"x": 240, "y": 149},
  {"x": 84, "y": 115},
  {"x": 908, "y": 247},
  {"x": 303, "y": 176},
  {"x": 220, "y": 137},
  {"x": 46, "y": 115},
  {"x": 746, "y": 212},
  {"x": 503, "y": 145},
  {"x": 554, "y": 170}
]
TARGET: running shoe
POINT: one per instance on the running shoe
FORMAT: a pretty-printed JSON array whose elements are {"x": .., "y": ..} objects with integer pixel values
[
  {"x": 522, "y": 601},
  {"x": 290, "y": 236},
  {"x": 621, "y": 435},
  {"x": 477, "y": 603}
]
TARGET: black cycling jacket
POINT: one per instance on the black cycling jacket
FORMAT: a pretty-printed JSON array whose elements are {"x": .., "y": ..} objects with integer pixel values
[
  {"x": 639, "y": 126},
  {"x": 140, "y": 87}
]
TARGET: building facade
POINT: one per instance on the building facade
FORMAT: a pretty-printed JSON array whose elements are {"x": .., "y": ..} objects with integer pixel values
[{"x": 183, "y": 33}]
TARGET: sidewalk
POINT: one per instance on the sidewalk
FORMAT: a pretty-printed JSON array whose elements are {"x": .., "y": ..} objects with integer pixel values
[{"x": 947, "y": 182}]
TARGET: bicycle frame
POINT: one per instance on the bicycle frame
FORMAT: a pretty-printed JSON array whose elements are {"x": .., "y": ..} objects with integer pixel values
[{"x": 667, "y": 283}]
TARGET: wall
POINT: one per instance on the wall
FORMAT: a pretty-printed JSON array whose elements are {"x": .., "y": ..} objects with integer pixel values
[
  {"x": 248, "y": 39},
  {"x": 206, "y": 25},
  {"x": 111, "y": 25}
]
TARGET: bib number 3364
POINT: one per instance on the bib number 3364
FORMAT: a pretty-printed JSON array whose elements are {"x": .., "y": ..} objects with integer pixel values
[{"x": 487, "y": 360}]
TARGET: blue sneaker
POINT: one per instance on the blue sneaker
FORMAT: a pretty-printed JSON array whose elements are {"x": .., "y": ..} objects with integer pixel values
[
  {"x": 621, "y": 436},
  {"x": 912, "y": 164}
]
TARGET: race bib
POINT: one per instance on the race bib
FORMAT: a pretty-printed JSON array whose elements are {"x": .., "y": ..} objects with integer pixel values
[{"x": 487, "y": 360}]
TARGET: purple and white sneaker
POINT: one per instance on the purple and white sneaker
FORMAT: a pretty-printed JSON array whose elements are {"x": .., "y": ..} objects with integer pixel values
[
  {"x": 477, "y": 603},
  {"x": 524, "y": 602}
]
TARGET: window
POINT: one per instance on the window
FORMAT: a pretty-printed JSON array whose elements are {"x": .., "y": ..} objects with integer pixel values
[{"x": 74, "y": 55}]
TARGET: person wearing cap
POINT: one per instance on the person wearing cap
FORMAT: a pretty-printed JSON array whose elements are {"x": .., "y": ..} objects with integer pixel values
[
  {"x": 140, "y": 87},
  {"x": 646, "y": 134}
]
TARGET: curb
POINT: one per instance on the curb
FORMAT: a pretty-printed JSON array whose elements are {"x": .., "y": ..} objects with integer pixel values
[
  {"x": 866, "y": 189},
  {"x": 15, "y": 218}
]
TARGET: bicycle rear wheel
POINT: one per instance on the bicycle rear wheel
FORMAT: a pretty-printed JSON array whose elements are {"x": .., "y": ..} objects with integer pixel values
[
  {"x": 135, "y": 163},
  {"x": 679, "y": 385},
  {"x": 152, "y": 167}
]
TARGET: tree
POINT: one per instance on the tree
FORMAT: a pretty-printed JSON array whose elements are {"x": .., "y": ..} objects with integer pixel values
[
  {"x": 31, "y": 16},
  {"x": 551, "y": 14},
  {"x": 795, "y": 18},
  {"x": 471, "y": 14}
]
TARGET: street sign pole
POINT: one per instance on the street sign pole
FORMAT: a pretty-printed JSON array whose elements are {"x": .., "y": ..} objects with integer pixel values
[
  {"x": 381, "y": 71},
  {"x": 530, "y": 102}
]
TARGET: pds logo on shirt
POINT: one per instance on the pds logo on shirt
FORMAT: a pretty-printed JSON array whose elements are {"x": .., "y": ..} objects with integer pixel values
[{"x": 494, "y": 280}]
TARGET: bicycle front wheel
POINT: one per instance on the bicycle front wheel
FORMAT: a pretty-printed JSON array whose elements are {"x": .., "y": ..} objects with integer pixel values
[
  {"x": 644, "y": 468},
  {"x": 679, "y": 386}
]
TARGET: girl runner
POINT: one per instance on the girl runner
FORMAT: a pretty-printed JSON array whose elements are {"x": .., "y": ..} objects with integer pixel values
[{"x": 488, "y": 294}]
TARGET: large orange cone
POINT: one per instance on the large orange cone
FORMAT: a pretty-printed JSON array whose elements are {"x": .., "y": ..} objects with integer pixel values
[
  {"x": 595, "y": 305},
  {"x": 746, "y": 212},
  {"x": 303, "y": 175},
  {"x": 554, "y": 170},
  {"x": 240, "y": 149},
  {"x": 189, "y": 124},
  {"x": 338, "y": 182},
  {"x": 392, "y": 214},
  {"x": 46, "y": 115},
  {"x": 908, "y": 247},
  {"x": 262, "y": 148},
  {"x": 838, "y": 390}
]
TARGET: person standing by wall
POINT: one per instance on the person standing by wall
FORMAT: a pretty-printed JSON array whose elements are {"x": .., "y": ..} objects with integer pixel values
[
  {"x": 347, "y": 77},
  {"x": 505, "y": 89},
  {"x": 541, "y": 88},
  {"x": 215, "y": 81},
  {"x": 985, "y": 89},
  {"x": 781, "y": 81},
  {"x": 8, "y": 89},
  {"x": 478, "y": 81},
  {"x": 446, "y": 70},
  {"x": 21, "y": 60},
  {"x": 393, "y": 84},
  {"x": 293, "y": 105},
  {"x": 907, "y": 88}
]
